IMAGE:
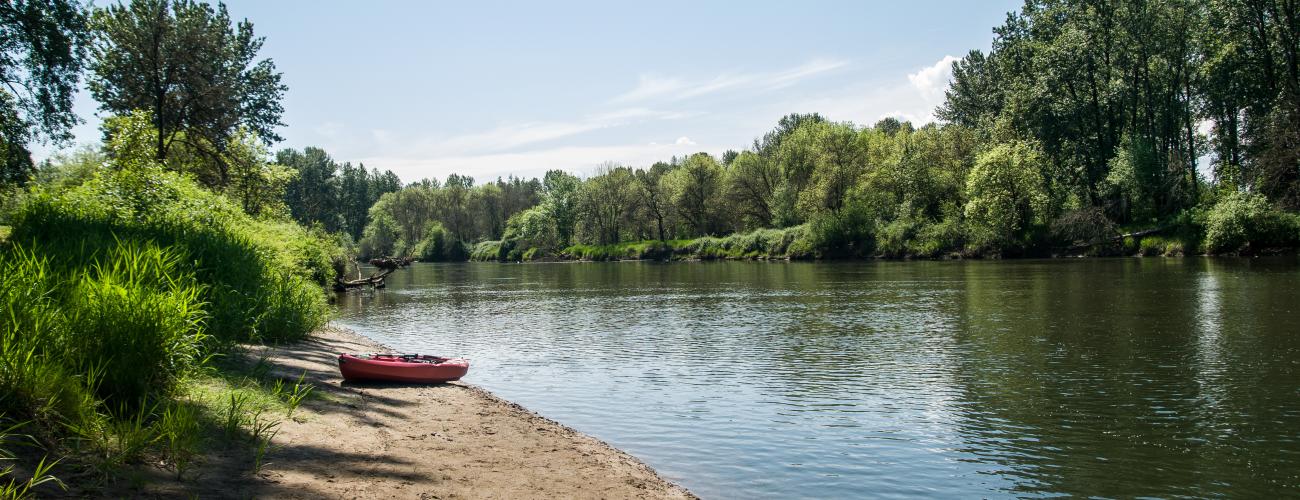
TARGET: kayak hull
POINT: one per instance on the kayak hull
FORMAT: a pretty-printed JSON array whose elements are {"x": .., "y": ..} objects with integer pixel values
[{"x": 417, "y": 369}]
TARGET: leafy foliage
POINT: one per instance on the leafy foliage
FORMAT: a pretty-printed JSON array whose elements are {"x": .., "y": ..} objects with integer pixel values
[
  {"x": 41, "y": 47},
  {"x": 1245, "y": 222},
  {"x": 191, "y": 68},
  {"x": 1006, "y": 196}
]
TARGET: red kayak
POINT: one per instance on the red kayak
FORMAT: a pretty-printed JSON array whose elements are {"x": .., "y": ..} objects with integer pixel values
[{"x": 417, "y": 368}]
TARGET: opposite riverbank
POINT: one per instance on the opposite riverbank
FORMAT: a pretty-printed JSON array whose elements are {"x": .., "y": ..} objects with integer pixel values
[{"x": 410, "y": 441}]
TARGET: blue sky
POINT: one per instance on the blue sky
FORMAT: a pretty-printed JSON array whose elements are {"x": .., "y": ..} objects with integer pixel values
[{"x": 490, "y": 89}]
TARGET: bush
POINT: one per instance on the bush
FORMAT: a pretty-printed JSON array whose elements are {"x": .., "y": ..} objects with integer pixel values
[
  {"x": 123, "y": 328},
  {"x": 486, "y": 251},
  {"x": 1160, "y": 246},
  {"x": 1007, "y": 198},
  {"x": 439, "y": 246},
  {"x": 260, "y": 280},
  {"x": 757, "y": 244},
  {"x": 934, "y": 239},
  {"x": 849, "y": 233},
  {"x": 1245, "y": 223}
]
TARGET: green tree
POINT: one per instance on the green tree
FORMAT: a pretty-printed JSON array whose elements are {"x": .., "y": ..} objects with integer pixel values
[
  {"x": 355, "y": 198},
  {"x": 752, "y": 181},
  {"x": 607, "y": 203},
  {"x": 839, "y": 161},
  {"x": 1006, "y": 196},
  {"x": 41, "y": 47},
  {"x": 532, "y": 228},
  {"x": 695, "y": 190},
  {"x": 560, "y": 199},
  {"x": 313, "y": 193},
  {"x": 653, "y": 197},
  {"x": 488, "y": 210},
  {"x": 453, "y": 203},
  {"x": 1250, "y": 88},
  {"x": 256, "y": 184},
  {"x": 191, "y": 68},
  {"x": 1080, "y": 79}
]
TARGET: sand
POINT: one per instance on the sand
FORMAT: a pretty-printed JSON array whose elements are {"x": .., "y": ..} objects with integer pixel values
[{"x": 409, "y": 441}]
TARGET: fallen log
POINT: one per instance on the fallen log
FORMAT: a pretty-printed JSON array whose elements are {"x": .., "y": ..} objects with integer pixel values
[
  {"x": 375, "y": 280},
  {"x": 1138, "y": 234},
  {"x": 390, "y": 262}
]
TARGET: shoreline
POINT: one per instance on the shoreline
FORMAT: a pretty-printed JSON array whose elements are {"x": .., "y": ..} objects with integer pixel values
[{"x": 453, "y": 440}]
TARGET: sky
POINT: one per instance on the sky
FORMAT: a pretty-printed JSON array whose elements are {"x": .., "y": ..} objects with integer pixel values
[{"x": 491, "y": 89}]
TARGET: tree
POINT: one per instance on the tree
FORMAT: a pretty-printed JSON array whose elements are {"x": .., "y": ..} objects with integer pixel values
[
  {"x": 355, "y": 198},
  {"x": 840, "y": 161},
  {"x": 975, "y": 97},
  {"x": 42, "y": 43},
  {"x": 1082, "y": 78},
  {"x": 488, "y": 210},
  {"x": 695, "y": 188},
  {"x": 532, "y": 228},
  {"x": 795, "y": 154},
  {"x": 313, "y": 194},
  {"x": 1007, "y": 195},
  {"x": 188, "y": 65},
  {"x": 560, "y": 200},
  {"x": 1250, "y": 88},
  {"x": 453, "y": 202},
  {"x": 607, "y": 202},
  {"x": 752, "y": 181},
  {"x": 258, "y": 186},
  {"x": 654, "y": 196}
]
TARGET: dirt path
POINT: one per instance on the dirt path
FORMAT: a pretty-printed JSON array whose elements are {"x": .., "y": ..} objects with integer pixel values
[{"x": 446, "y": 441}]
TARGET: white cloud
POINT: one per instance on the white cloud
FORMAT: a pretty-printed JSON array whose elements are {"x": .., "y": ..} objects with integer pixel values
[
  {"x": 507, "y": 137},
  {"x": 913, "y": 98},
  {"x": 811, "y": 68},
  {"x": 933, "y": 80},
  {"x": 615, "y": 130},
  {"x": 330, "y": 129},
  {"x": 534, "y": 163},
  {"x": 653, "y": 87}
]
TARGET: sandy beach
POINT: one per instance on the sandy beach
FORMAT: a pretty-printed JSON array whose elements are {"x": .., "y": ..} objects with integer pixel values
[{"x": 406, "y": 441}]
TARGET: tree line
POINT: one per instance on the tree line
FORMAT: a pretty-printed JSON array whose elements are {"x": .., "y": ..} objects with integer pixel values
[{"x": 1085, "y": 120}]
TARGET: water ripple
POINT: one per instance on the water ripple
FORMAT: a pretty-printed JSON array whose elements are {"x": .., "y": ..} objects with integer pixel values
[{"x": 976, "y": 379}]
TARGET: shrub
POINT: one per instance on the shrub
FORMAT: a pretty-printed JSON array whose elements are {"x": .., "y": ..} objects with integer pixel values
[
  {"x": 846, "y": 234},
  {"x": 260, "y": 280},
  {"x": 1245, "y": 222},
  {"x": 937, "y": 238},
  {"x": 438, "y": 245},
  {"x": 893, "y": 239},
  {"x": 1007, "y": 197},
  {"x": 486, "y": 251},
  {"x": 124, "y": 328}
]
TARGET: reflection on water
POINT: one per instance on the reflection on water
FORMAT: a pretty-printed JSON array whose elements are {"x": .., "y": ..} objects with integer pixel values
[{"x": 1092, "y": 377}]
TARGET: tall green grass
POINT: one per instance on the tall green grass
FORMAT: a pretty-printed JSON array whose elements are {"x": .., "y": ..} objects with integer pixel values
[
  {"x": 116, "y": 291},
  {"x": 111, "y": 335},
  {"x": 261, "y": 279}
]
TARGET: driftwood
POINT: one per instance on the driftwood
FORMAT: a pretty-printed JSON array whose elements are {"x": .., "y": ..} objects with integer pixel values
[
  {"x": 386, "y": 265},
  {"x": 390, "y": 262},
  {"x": 1080, "y": 246},
  {"x": 1138, "y": 234},
  {"x": 375, "y": 280}
]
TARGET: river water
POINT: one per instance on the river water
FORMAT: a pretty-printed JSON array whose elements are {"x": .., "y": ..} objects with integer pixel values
[{"x": 1090, "y": 377}]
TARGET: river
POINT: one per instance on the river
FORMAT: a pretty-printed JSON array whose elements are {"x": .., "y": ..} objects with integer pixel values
[{"x": 1082, "y": 377}]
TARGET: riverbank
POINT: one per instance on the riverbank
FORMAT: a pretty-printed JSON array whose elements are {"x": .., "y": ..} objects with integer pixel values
[
  {"x": 755, "y": 247},
  {"x": 398, "y": 441}
]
